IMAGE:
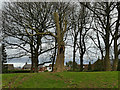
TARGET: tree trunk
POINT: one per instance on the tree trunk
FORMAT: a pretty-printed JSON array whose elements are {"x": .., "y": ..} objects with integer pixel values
[
  {"x": 32, "y": 54},
  {"x": 59, "y": 65},
  {"x": 107, "y": 60},
  {"x": 115, "y": 62},
  {"x": 54, "y": 56},
  {"x": 36, "y": 62},
  {"x": 74, "y": 53},
  {"x": 31, "y": 59},
  {"x": 36, "y": 53},
  {"x": 81, "y": 62}
]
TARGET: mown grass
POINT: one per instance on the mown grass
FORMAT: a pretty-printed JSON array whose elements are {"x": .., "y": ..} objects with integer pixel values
[
  {"x": 61, "y": 80},
  {"x": 0, "y": 81}
]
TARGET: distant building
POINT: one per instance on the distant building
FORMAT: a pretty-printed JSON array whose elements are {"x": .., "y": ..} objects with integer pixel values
[
  {"x": 27, "y": 67},
  {"x": 17, "y": 68},
  {"x": 9, "y": 66},
  {"x": 85, "y": 66},
  {"x": 98, "y": 65},
  {"x": 41, "y": 67}
]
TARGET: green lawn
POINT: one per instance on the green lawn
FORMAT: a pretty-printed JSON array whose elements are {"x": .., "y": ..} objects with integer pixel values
[
  {"x": 61, "y": 80},
  {"x": 0, "y": 81}
]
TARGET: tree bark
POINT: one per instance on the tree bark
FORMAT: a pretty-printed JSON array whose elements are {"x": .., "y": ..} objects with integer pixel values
[
  {"x": 81, "y": 62},
  {"x": 107, "y": 59},
  {"x": 54, "y": 55},
  {"x": 74, "y": 51},
  {"x": 36, "y": 62},
  {"x": 115, "y": 62},
  {"x": 31, "y": 59},
  {"x": 59, "y": 65},
  {"x": 36, "y": 53},
  {"x": 82, "y": 48},
  {"x": 32, "y": 56}
]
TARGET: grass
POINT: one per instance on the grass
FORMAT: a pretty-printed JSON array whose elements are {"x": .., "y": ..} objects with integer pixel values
[
  {"x": 0, "y": 81},
  {"x": 61, "y": 80}
]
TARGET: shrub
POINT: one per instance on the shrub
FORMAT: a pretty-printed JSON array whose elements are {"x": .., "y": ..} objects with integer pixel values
[
  {"x": 4, "y": 71},
  {"x": 89, "y": 67},
  {"x": 118, "y": 68},
  {"x": 98, "y": 65},
  {"x": 17, "y": 71},
  {"x": 46, "y": 71}
]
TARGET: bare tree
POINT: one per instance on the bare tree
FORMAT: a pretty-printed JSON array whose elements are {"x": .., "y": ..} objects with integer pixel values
[
  {"x": 115, "y": 63},
  {"x": 79, "y": 19},
  {"x": 60, "y": 21},
  {"x": 96, "y": 38},
  {"x": 102, "y": 11},
  {"x": 74, "y": 30},
  {"x": 19, "y": 16}
]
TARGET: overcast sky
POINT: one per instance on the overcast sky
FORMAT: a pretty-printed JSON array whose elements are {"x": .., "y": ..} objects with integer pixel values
[{"x": 1, "y": 3}]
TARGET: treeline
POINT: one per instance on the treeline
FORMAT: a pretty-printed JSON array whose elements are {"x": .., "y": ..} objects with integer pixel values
[{"x": 29, "y": 25}]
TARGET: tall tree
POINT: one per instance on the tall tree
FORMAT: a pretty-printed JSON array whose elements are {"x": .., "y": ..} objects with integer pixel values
[
  {"x": 79, "y": 21},
  {"x": 61, "y": 27},
  {"x": 74, "y": 31},
  {"x": 115, "y": 62},
  {"x": 102, "y": 11},
  {"x": 96, "y": 38},
  {"x": 83, "y": 30},
  {"x": 59, "y": 65},
  {"x": 17, "y": 16}
]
